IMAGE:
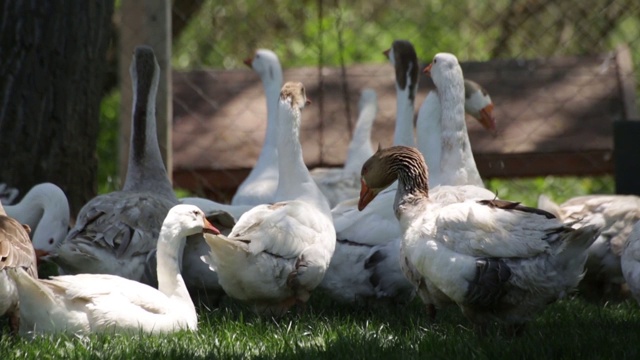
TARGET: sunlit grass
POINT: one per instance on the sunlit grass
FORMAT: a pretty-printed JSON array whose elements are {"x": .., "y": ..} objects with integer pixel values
[{"x": 567, "y": 329}]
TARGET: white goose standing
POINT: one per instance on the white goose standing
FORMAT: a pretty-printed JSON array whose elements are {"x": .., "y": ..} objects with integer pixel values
[
  {"x": 260, "y": 186},
  {"x": 115, "y": 232},
  {"x": 278, "y": 253},
  {"x": 374, "y": 233},
  {"x": 94, "y": 303},
  {"x": 497, "y": 260},
  {"x": 45, "y": 209}
]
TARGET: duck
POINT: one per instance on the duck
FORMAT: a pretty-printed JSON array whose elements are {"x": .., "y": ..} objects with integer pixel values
[
  {"x": 498, "y": 260},
  {"x": 45, "y": 208},
  {"x": 101, "y": 303},
  {"x": 616, "y": 214},
  {"x": 630, "y": 261},
  {"x": 277, "y": 254},
  {"x": 16, "y": 251},
  {"x": 366, "y": 262},
  {"x": 116, "y": 232},
  {"x": 260, "y": 186},
  {"x": 338, "y": 184}
]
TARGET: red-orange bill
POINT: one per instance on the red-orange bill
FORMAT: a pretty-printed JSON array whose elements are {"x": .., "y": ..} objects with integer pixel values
[{"x": 366, "y": 195}]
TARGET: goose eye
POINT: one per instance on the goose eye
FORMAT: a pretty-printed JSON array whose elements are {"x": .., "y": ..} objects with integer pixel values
[
  {"x": 435, "y": 61},
  {"x": 51, "y": 241}
]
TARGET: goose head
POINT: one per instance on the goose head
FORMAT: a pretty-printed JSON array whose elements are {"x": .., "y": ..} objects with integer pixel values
[
  {"x": 294, "y": 94},
  {"x": 380, "y": 170},
  {"x": 45, "y": 209},
  {"x": 402, "y": 56},
  {"x": 266, "y": 64},
  {"x": 479, "y": 105},
  {"x": 188, "y": 220}
]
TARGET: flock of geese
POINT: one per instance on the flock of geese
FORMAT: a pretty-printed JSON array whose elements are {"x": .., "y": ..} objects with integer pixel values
[{"x": 410, "y": 219}]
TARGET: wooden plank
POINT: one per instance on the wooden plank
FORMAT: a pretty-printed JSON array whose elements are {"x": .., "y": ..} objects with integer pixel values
[
  {"x": 627, "y": 82},
  {"x": 220, "y": 185},
  {"x": 146, "y": 22}
]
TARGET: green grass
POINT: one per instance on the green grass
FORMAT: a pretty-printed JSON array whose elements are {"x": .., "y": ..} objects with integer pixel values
[{"x": 569, "y": 329}]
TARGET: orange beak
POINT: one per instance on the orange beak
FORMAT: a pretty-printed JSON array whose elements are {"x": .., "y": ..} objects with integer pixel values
[
  {"x": 210, "y": 229},
  {"x": 248, "y": 62},
  {"x": 427, "y": 70},
  {"x": 386, "y": 53},
  {"x": 40, "y": 254},
  {"x": 366, "y": 195},
  {"x": 487, "y": 119}
]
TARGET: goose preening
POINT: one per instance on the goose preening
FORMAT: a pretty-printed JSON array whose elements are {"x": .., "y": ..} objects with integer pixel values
[
  {"x": 366, "y": 260},
  {"x": 616, "y": 215},
  {"x": 339, "y": 184},
  {"x": 496, "y": 259},
  {"x": 45, "y": 209},
  {"x": 630, "y": 261},
  {"x": 96, "y": 303},
  {"x": 278, "y": 253},
  {"x": 16, "y": 251},
  {"x": 115, "y": 232},
  {"x": 260, "y": 186}
]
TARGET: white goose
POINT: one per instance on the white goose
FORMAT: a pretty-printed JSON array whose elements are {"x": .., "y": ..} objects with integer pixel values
[
  {"x": 347, "y": 279},
  {"x": 370, "y": 240},
  {"x": 95, "y": 303},
  {"x": 115, "y": 232},
  {"x": 616, "y": 214},
  {"x": 278, "y": 253},
  {"x": 260, "y": 186},
  {"x": 16, "y": 251},
  {"x": 498, "y": 260},
  {"x": 630, "y": 262},
  {"x": 45, "y": 209},
  {"x": 339, "y": 184}
]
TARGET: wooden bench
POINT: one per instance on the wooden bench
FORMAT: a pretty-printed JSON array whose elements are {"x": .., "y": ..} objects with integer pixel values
[{"x": 555, "y": 117}]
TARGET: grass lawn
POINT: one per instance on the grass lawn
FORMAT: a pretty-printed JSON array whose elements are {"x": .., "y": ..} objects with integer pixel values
[{"x": 569, "y": 329}]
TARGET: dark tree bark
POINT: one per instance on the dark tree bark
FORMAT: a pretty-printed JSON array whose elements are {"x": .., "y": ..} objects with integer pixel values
[{"x": 52, "y": 57}]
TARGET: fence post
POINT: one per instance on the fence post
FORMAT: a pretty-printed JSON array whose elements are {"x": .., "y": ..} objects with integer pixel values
[{"x": 146, "y": 22}]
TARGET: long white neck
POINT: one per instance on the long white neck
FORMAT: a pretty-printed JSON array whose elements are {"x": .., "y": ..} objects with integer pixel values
[
  {"x": 269, "y": 154},
  {"x": 294, "y": 182},
  {"x": 429, "y": 135},
  {"x": 360, "y": 148},
  {"x": 169, "y": 254},
  {"x": 457, "y": 163},
  {"x": 146, "y": 171},
  {"x": 404, "y": 115}
]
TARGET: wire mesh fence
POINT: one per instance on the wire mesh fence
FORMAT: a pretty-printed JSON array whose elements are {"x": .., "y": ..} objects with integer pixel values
[{"x": 536, "y": 47}]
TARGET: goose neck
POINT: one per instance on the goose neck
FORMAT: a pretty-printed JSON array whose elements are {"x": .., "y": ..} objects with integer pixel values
[
  {"x": 360, "y": 148},
  {"x": 429, "y": 135},
  {"x": 404, "y": 116},
  {"x": 169, "y": 254},
  {"x": 145, "y": 170},
  {"x": 272, "y": 94}
]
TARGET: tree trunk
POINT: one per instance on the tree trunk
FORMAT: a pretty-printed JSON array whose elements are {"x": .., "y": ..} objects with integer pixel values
[{"x": 52, "y": 57}]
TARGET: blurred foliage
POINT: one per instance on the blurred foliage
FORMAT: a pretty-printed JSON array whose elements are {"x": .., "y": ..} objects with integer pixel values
[{"x": 335, "y": 33}]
